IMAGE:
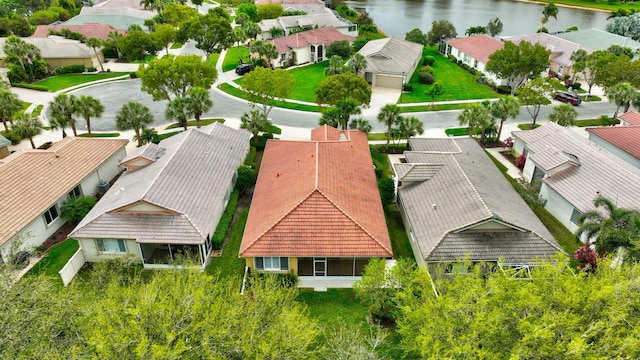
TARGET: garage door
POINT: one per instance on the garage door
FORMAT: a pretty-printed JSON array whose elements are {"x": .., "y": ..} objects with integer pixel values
[{"x": 389, "y": 81}]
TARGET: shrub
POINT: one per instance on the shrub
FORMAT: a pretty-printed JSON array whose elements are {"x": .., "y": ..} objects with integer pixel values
[
  {"x": 223, "y": 225},
  {"x": 91, "y": 69},
  {"x": 452, "y": 58},
  {"x": 359, "y": 43},
  {"x": 11, "y": 136},
  {"x": 587, "y": 258},
  {"x": 71, "y": 69},
  {"x": 31, "y": 86},
  {"x": 407, "y": 88},
  {"x": 426, "y": 78},
  {"x": 16, "y": 74},
  {"x": 503, "y": 89},
  {"x": 75, "y": 209},
  {"x": 428, "y": 60},
  {"x": 340, "y": 48},
  {"x": 133, "y": 74},
  {"x": 367, "y": 29},
  {"x": 427, "y": 69},
  {"x": 387, "y": 191},
  {"x": 521, "y": 161},
  {"x": 246, "y": 178},
  {"x": 576, "y": 86}
]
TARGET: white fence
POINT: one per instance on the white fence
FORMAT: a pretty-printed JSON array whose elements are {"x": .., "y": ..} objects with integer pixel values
[{"x": 72, "y": 267}]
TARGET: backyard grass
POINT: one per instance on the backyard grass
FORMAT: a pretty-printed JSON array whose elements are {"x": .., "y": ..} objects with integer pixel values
[
  {"x": 458, "y": 83},
  {"x": 203, "y": 122},
  {"x": 596, "y": 122},
  {"x": 229, "y": 264},
  {"x": 100, "y": 135},
  {"x": 56, "y": 83},
  {"x": 437, "y": 107},
  {"x": 232, "y": 60},
  {"x": 528, "y": 126},
  {"x": 234, "y": 91},
  {"x": 55, "y": 259}
]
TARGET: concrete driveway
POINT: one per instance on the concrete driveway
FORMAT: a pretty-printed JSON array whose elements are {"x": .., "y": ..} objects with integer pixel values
[{"x": 381, "y": 96}]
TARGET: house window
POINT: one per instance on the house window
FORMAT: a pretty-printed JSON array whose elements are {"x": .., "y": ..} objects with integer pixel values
[
  {"x": 560, "y": 69},
  {"x": 111, "y": 246},
  {"x": 51, "y": 215},
  {"x": 467, "y": 59},
  {"x": 75, "y": 193},
  {"x": 283, "y": 57},
  {"x": 574, "y": 216},
  {"x": 272, "y": 263}
]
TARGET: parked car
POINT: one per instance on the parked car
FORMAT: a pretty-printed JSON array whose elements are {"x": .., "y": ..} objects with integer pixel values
[
  {"x": 243, "y": 69},
  {"x": 568, "y": 97}
]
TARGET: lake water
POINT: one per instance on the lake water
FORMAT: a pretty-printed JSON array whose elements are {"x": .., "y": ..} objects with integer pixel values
[{"x": 397, "y": 17}]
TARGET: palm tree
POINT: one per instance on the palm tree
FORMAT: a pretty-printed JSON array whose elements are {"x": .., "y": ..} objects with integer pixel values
[
  {"x": 550, "y": 10},
  {"x": 114, "y": 38},
  {"x": 88, "y": 106},
  {"x": 506, "y": 107},
  {"x": 251, "y": 29},
  {"x": 255, "y": 122},
  {"x": 59, "y": 124},
  {"x": 564, "y": 115},
  {"x": 133, "y": 115},
  {"x": 147, "y": 135},
  {"x": 390, "y": 116},
  {"x": 95, "y": 43},
  {"x": 240, "y": 36},
  {"x": 28, "y": 126},
  {"x": 331, "y": 116},
  {"x": 15, "y": 47},
  {"x": 357, "y": 63},
  {"x": 198, "y": 102},
  {"x": 609, "y": 225},
  {"x": 335, "y": 65},
  {"x": 434, "y": 91},
  {"x": 9, "y": 105},
  {"x": 177, "y": 110},
  {"x": 410, "y": 126},
  {"x": 361, "y": 124},
  {"x": 622, "y": 94},
  {"x": 478, "y": 117},
  {"x": 346, "y": 108},
  {"x": 63, "y": 107}
]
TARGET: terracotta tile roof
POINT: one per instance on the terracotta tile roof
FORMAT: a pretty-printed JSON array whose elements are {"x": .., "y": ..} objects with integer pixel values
[
  {"x": 317, "y": 198},
  {"x": 33, "y": 180},
  {"x": 623, "y": 137},
  {"x": 478, "y": 47},
  {"x": 325, "y": 35},
  {"x": 630, "y": 117},
  {"x": 99, "y": 31}
]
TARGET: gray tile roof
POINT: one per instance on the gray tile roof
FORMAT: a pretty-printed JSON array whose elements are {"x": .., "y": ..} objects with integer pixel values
[
  {"x": 4, "y": 141},
  {"x": 468, "y": 191},
  {"x": 549, "y": 159},
  {"x": 416, "y": 172},
  {"x": 596, "y": 39},
  {"x": 189, "y": 180},
  {"x": 561, "y": 49},
  {"x": 117, "y": 10},
  {"x": 599, "y": 171},
  {"x": 121, "y": 22},
  {"x": 391, "y": 55},
  {"x": 149, "y": 151},
  {"x": 56, "y": 47}
]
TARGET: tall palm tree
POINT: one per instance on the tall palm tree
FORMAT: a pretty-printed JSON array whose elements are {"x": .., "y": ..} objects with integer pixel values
[
  {"x": 9, "y": 105},
  {"x": 390, "y": 116},
  {"x": 198, "y": 102},
  {"x": 59, "y": 124},
  {"x": 506, "y": 107},
  {"x": 240, "y": 36},
  {"x": 251, "y": 29},
  {"x": 609, "y": 225},
  {"x": 478, "y": 117},
  {"x": 255, "y": 122},
  {"x": 15, "y": 47},
  {"x": 133, "y": 115},
  {"x": 578, "y": 56},
  {"x": 63, "y": 107},
  {"x": 177, "y": 110},
  {"x": 564, "y": 115},
  {"x": 87, "y": 107},
  {"x": 335, "y": 65},
  {"x": 622, "y": 94},
  {"x": 95, "y": 43},
  {"x": 357, "y": 63},
  {"x": 114, "y": 38},
  {"x": 28, "y": 126},
  {"x": 410, "y": 126}
]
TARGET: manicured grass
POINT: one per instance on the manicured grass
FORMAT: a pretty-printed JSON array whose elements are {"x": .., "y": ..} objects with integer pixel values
[
  {"x": 232, "y": 90},
  {"x": 376, "y": 136},
  {"x": 203, "y": 122},
  {"x": 176, "y": 45},
  {"x": 458, "y": 83},
  {"x": 381, "y": 161},
  {"x": 591, "y": 98},
  {"x": 528, "y": 126},
  {"x": 397, "y": 233},
  {"x": 161, "y": 137},
  {"x": 60, "y": 82},
  {"x": 37, "y": 110},
  {"x": 307, "y": 80},
  {"x": 100, "y": 135},
  {"x": 462, "y": 131},
  {"x": 229, "y": 264},
  {"x": 597, "y": 4},
  {"x": 232, "y": 60},
  {"x": 213, "y": 58},
  {"x": 55, "y": 259},
  {"x": 437, "y": 107},
  {"x": 596, "y": 122}
]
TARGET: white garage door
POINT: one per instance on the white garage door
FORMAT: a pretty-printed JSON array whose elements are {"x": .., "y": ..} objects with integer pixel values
[{"x": 388, "y": 81}]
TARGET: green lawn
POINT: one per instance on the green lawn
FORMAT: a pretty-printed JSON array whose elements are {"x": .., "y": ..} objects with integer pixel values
[
  {"x": 528, "y": 126},
  {"x": 55, "y": 259},
  {"x": 462, "y": 131},
  {"x": 56, "y": 83},
  {"x": 231, "y": 90},
  {"x": 176, "y": 45},
  {"x": 100, "y": 135},
  {"x": 37, "y": 110},
  {"x": 232, "y": 60},
  {"x": 437, "y": 107},
  {"x": 203, "y": 122},
  {"x": 596, "y": 122},
  {"x": 458, "y": 83},
  {"x": 596, "y": 4},
  {"x": 229, "y": 264},
  {"x": 307, "y": 80}
]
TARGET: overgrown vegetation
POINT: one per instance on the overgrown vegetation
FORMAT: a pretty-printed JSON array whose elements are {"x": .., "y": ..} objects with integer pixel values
[{"x": 217, "y": 240}]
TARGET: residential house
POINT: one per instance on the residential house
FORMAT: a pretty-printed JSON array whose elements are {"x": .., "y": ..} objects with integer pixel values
[
  {"x": 297, "y": 23},
  {"x": 169, "y": 200},
  {"x": 4, "y": 147},
  {"x": 57, "y": 51},
  {"x": 134, "y": 4},
  {"x": 308, "y": 6},
  {"x": 306, "y": 46},
  {"x": 120, "y": 22},
  {"x": 390, "y": 61},
  {"x": 596, "y": 39},
  {"x": 621, "y": 141},
  {"x": 561, "y": 50},
  {"x": 456, "y": 205},
  {"x": 118, "y": 11},
  {"x": 474, "y": 51},
  {"x": 35, "y": 184},
  {"x": 316, "y": 210},
  {"x": 99, "y": 31},
  {"x": 629, "y": 118},
  {"x": 572, "y": 172}
]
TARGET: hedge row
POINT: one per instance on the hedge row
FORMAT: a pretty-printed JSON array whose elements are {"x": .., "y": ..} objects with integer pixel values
[
  {"x": 225, "y": 221},
  {"x": 71, "y": 69},
  {"x": 31, "y": 86}
]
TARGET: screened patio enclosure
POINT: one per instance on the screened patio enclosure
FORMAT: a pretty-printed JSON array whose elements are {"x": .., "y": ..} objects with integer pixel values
[
  {"x": 327, "y": 266},
  {"x": 167, "y": 255}
]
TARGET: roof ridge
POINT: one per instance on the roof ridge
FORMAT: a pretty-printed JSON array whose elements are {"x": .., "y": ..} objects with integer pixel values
[
  {"x": 355, "y": 222},
  {"x": 471, "y": 184}
]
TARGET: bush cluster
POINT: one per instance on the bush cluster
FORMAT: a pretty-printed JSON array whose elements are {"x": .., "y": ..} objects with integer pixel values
[
  {"x": 426, "y": 77},
  {"x": 31, "y": 86},
  {"x": 223, "y": 225},
  {"x": 428, "y": 60},
  {"x": 11, "y": 136},
  {"x": 71, "y": 69}
]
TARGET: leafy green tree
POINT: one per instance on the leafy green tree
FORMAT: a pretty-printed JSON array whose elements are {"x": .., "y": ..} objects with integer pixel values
[
  {"x": 504, "y": 108},
  {"x": 134, "y": 115},
  {"x": 115, "y": 39},
  {"x": 590, "y": 66},
  {"x": 265, "y": 86},
  {"x": 477, "y": 117},
  {"x": 330, "y": 116},
  {"x": 440, "y": 30},
  {"x": 95, "y": 43},
  {"x": 622, "y": 94},
  {"x": 475, "y": 30},
  {"x": 176, "y": 14},
  {"x": 10, "y": 104},
  {"x": 137, "y": 45},
  {"x": 339, "y": 48},
  {"x": 75, "y": 209},
  {"x": 342, "y": 86},
  {"x": 249, "y": 9},
  {"x": 270, "y": 11},
  {"x": 246, "y": 178},
  {"x": 87, "y": 107},
  {"x": 436, "y": 89},
  {"x": 27, "y": 126},
  {"x": 241, "y": 19},
  {"x": 390, "y": 116},
  {"x": 536, "y": 93},
  {"x": 177, "y": 109},
  {"x": 517, "y": 63},
  {"x": 336, "y": 66},
  {"x": 579, "y": 55},
  {"x": 147, "y": 135},
  {"x": 198, "y": 101},
  {"x": 494, "y": 27},
  {"x": 251, "y": 29},
  {"x": 564, "y": 115},
  {"x": 211, "y": 32},
  {"x": 173, "y": 76},
  {"x": 63, "y": 107},
  {"x": 628, "y": 26},
  {"x": 166, "y": 34},
  {"x": 266, "y": 51},
  {"x": 255, "y": 122},
  {"x": 417, "y": 36},
  {"x": 550, "y": 10},
  {"x": 410, "y": 126},
  {"x": 357, "y": 63}
]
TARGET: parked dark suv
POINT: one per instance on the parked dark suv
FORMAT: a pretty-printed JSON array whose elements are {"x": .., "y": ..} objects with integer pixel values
[
  {"x": 243, "y": 69},
  {"x": 568, "y": 97}
]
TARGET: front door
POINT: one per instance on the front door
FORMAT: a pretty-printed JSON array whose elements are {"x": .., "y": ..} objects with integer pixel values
[
  {"x": 319, "y": 266},
  {"x": 320, "y": 53}
]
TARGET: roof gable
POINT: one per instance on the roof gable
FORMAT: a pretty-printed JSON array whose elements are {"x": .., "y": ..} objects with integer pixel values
[
  {"x": 391, "y": 55},
  {"x": 478, "y": 47},
  {"x": 630, "y": 117},
  {"x": 321, "y": 36}
]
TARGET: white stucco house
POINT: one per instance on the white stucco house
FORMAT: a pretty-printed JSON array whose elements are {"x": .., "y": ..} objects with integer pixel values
[
  {"x": 35, "y": 184},
  {"x": 474, "y": 51},
  {"x": 296, "y": 23},
  {"x": 307, "y": 46},
  {"x": 573, "y": 171}
]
